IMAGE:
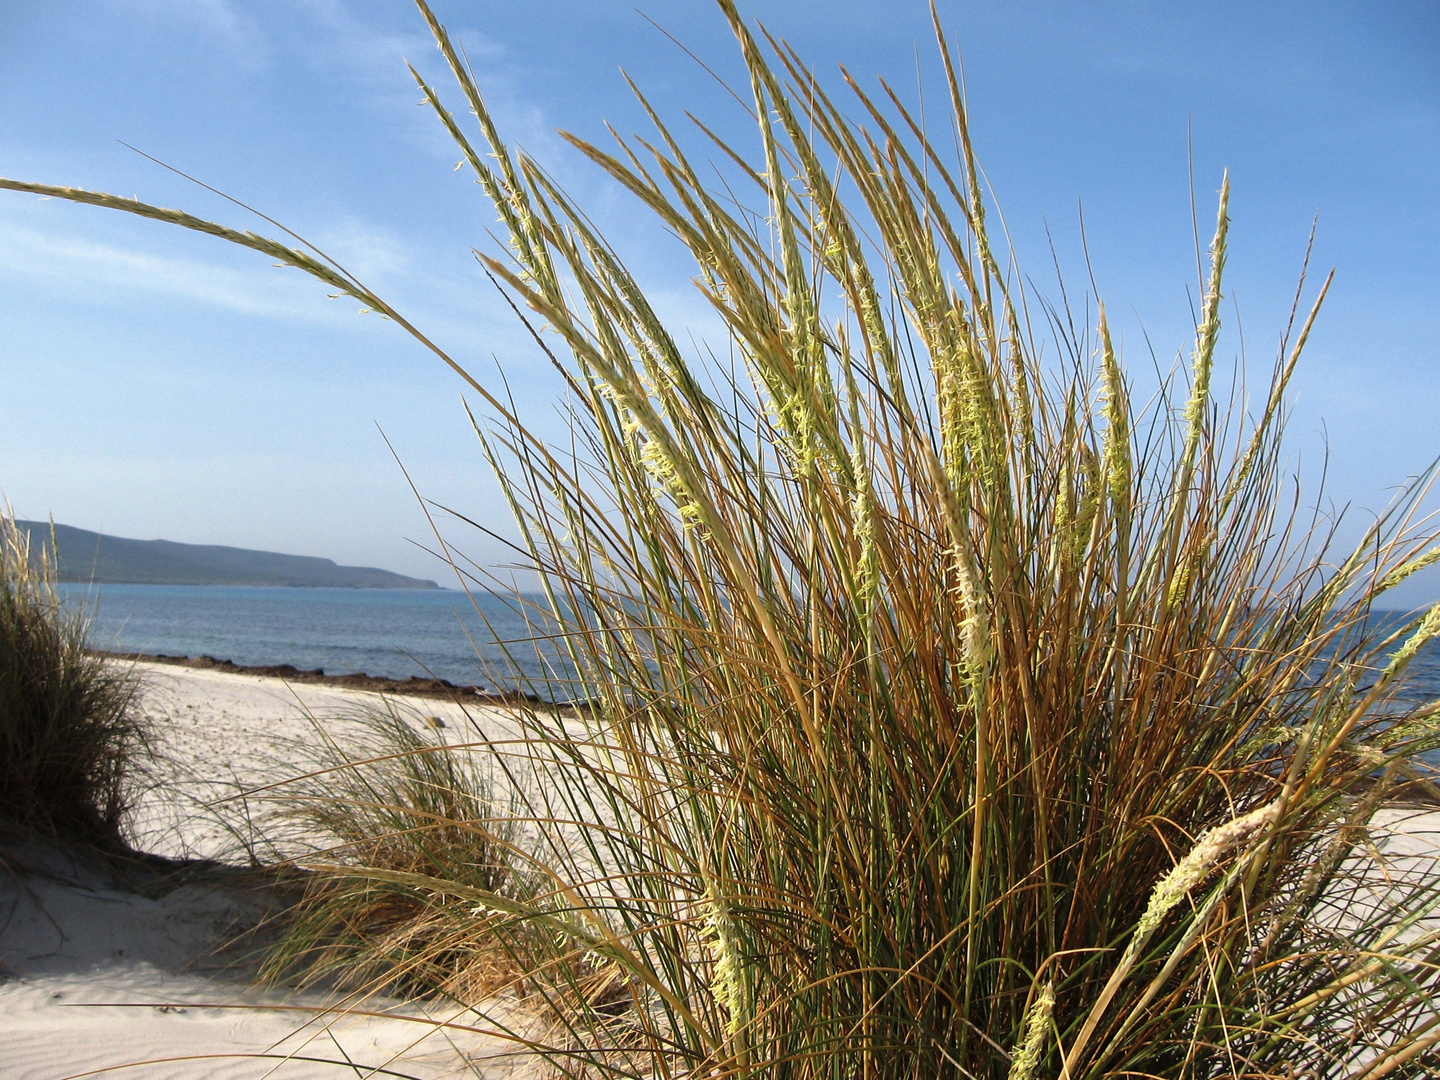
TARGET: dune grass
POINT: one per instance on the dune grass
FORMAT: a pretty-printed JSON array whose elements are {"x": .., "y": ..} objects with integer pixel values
[
  {"x": 392, "y": 803},
  {"x": 955, "y": 714},
  {"x": 69, "y": 726}
]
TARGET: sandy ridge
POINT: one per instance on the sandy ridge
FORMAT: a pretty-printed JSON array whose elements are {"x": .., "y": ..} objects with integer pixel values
[{"x": 95, "y": 975}]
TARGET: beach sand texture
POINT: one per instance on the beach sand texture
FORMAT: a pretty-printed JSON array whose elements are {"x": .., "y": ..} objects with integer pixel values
[{"x": 97, "y": 977}]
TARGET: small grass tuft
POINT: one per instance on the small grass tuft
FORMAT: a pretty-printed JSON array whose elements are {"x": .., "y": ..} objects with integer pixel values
[{"x": 418, "y": 816}]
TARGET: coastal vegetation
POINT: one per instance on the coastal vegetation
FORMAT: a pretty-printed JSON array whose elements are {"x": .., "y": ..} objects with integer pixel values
[
  {"x": 394, "y": 803},
  {"x": 952, "y": 711},
  {"x": 70, "y": 729}
]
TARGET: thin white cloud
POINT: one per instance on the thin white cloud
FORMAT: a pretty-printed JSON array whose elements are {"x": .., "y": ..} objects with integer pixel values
[
  {"x": 217, "y": 22},
  {"x": 453, "y": 309},
  {"x": 372, "y": 60},
  {"x": 370, "y": 253},
  {"x": 108, "y": 269}
]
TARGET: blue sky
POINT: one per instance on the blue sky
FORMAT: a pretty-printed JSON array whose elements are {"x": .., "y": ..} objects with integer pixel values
[{"x": 159, "y": 384}]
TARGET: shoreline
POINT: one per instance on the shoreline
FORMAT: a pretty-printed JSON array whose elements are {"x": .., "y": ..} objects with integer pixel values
[{"x": 411, "y": 686}]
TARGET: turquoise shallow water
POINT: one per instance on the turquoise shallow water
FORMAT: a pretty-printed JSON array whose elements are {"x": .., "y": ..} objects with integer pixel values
[{"x": 390, "y": 632}]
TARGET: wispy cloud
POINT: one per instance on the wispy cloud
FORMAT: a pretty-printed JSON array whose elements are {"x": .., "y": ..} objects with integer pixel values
[
  {"x": 106, "y": 269},
  {"x": 371, "y": 253},
  {"x": 446, "y": 298},
  {"x": 218, "y": 23},
  {"x": 371, "y": 59}
]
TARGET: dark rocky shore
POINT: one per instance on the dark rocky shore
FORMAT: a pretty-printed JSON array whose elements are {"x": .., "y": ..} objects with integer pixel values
[{"x": 414, "y": 686}]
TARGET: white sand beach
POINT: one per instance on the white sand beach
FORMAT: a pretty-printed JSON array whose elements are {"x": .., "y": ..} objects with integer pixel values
[{"x": 96, "y": 979}]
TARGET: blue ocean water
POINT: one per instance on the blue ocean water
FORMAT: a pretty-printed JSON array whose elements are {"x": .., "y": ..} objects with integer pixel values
[{"x": 390, "y": 632}]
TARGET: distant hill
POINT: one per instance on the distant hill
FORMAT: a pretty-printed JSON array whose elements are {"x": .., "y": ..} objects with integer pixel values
[{"x": 88, "y": 556}]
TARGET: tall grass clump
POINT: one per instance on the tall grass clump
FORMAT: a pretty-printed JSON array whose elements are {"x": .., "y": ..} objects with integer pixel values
[
  {"x": 955, "y": 711},
  {"x": 69, "y": 725}
]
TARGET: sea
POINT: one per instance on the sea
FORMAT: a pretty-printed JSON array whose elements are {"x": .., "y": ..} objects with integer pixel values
[
  {"x": 475, "y": 640},
  {"x": 483, "y": 640}
]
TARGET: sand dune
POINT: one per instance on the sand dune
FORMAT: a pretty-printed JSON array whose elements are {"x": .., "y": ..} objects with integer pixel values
[
  {"x": 96, "y": 977},
  {"x": 100, "y": 979}
]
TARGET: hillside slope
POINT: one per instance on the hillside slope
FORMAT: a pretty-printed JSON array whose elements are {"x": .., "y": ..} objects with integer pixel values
[{"x": 93, "y": 557}]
